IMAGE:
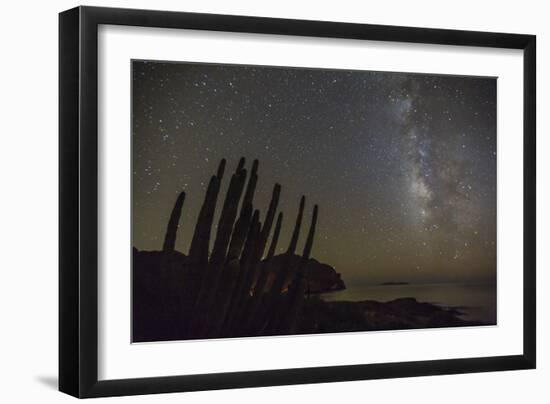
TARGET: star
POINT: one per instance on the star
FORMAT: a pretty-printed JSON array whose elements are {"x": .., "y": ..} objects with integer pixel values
[{"x": 403, "y": 166}]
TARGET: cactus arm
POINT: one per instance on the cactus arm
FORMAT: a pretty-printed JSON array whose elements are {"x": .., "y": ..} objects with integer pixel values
[
  {"x": 244, "y": 263},
  {"x": 283, "y": 272},
  {"x": 230, "y": 271},
  {"x": 266, "y": 229},
  {"x": 209, "y": 285},
  {"x": 262, "y": 279},
  {"x": 227, "y": 217},
  {"x": 173, "y": 224},
  {"x": 254, "y": 319},
  {"x": 298, "y": 286},
  {"x": 251, "y": 186},
  {"x": 198, "y": 252}
]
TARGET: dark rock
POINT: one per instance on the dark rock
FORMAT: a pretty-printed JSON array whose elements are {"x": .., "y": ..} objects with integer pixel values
[
  {"x": 320, "y": 277},
  {"x": 369, "y": 315}
]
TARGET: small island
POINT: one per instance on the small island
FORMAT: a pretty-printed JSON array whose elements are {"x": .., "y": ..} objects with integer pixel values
[{"x": 394, "y": 283}]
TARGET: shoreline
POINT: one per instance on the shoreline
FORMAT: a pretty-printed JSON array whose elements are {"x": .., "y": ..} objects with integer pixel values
[{"x": 321, "y": 316}]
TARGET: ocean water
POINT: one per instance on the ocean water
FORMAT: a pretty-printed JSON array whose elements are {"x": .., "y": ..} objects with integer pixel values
[{"x": 477, "y": 302}]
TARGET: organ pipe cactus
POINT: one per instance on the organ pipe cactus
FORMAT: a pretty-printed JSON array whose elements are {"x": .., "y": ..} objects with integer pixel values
[{"x": 224, "y": 290}]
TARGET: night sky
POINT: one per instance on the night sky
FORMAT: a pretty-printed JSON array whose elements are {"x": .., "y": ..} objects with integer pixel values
[{"x": 402, "y": 166}]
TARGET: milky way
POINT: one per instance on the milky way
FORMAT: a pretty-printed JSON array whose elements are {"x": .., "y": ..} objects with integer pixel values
[{"x": 402, "y": 166}]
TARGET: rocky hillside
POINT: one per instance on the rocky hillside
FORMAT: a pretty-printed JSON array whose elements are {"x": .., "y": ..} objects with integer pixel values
[
  {"x": 321, "y": 277},
  {"x": 147, "y": 269}
]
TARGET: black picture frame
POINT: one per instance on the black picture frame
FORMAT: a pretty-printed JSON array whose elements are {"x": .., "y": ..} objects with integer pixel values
[{"x": 78, "y": 205}]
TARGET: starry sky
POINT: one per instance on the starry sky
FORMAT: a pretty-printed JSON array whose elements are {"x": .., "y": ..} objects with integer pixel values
[{"x": 402, "y": 166}]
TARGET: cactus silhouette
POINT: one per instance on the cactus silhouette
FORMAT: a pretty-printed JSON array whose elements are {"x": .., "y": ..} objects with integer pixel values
[
  {"x": 223, "y": 290},
  {"x": 173, "y": 224}
]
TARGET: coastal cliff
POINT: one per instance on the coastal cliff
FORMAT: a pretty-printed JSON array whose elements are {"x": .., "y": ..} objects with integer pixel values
[{"x": 321, "y": 277}]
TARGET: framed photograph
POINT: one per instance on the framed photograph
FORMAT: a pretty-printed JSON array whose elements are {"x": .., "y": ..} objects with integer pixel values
[{"x": 250, "y": 201}]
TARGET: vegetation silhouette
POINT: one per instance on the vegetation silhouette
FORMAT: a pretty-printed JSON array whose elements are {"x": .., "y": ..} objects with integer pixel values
[
  {"x": 223, "y": 291},
  {"x": 235, "y": 288}
]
